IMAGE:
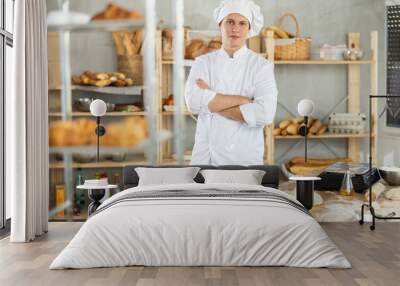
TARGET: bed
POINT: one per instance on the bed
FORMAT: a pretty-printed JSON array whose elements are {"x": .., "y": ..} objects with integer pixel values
[{"x": 198, "y": 224}]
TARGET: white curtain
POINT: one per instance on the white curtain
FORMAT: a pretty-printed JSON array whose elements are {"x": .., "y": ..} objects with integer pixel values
[{"x": 27, "y": 173}]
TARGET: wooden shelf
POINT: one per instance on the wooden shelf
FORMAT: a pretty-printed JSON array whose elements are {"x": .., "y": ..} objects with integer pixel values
[
  {"x": 99, "y": 26},
  {"x": 108, "y": 114},
  {"x": 322, "y": 62},
  {"x": 324, "y": 136},
  {"x": 172, "y": 113},
  {"x": 186, "y": 63},
  {"x": 189, "y": 63},
  {"x": 105, "y": 164},
  {"x": 127, "y": 90}
]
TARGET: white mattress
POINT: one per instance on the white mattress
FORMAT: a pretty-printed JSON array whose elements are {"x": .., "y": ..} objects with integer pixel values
[{"x": 193, "y": 231}]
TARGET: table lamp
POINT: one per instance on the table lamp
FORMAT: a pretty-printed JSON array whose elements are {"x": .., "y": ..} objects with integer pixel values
[
  {"x": 305, "y": 108},
  {"x": 98, "y": 108}
]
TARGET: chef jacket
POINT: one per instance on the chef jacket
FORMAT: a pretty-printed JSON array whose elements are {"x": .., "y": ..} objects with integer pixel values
[{"x": 219, "y": 140}]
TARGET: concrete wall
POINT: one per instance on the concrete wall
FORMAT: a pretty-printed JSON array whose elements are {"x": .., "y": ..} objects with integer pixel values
[{"x": 325, "y": 21}]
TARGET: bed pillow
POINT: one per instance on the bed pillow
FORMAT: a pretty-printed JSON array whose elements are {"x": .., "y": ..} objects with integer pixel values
[
  {"x": 248, "y": 177},
  {"x": 166, "y": 176}
]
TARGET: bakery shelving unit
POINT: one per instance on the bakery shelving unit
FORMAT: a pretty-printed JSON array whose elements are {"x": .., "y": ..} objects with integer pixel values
[
  {"x": 353, "y": 95},
  {"x": 65, "y": 92}
]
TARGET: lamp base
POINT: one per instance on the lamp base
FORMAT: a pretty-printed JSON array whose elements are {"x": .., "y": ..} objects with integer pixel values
[{"x": 305, "y": 193}]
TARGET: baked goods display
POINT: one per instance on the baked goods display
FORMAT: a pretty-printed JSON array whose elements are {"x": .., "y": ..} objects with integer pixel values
[
  {"x": 168, "y": 101},
  {"x": 102, "y": 79},
  {"x": 287, "y": 45},
  {"x": 215, "y": 44},
  {"x": 129, "y": 54},
  {"x": 197, "y": 46},
  {"x": 279, "y": 32},
  {"x": 168, "y": 39},
  {"x": 298, "y": 166},
  {"x": 128, "y": 132},
  {"x": 128, "y": 42},
  {"x": 115, "y": 12},
  {"x": 72, "y": 133},
  {"x": 291, "y": 126}
]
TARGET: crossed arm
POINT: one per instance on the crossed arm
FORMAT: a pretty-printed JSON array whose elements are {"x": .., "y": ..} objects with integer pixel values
[
  {"x": 226, "y": 105},
  {"x": 255, "y": 112}
]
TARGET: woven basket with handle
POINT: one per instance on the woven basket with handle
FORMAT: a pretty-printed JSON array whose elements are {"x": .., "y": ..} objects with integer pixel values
[{"x": 297, "y": 48}]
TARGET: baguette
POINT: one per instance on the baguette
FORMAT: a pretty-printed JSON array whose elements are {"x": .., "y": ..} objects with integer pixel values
[
  {"x": 277, "y": 31},
  {"x": 118, "y": 43},
  {"x": 137, "y": 41},
  {"x": 128, "y": 44}
]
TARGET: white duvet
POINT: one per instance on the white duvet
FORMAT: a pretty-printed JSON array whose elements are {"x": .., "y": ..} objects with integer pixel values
[{"x": 200, "y": 231}]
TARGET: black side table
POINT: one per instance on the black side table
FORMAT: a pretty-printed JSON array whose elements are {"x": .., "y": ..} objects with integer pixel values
[
  {"x": 95, "y": 193},
  {"x": 305, "y": 190}
]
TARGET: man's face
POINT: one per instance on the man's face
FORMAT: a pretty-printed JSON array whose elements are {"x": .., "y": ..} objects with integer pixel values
[{"x": 234, "y": 30}]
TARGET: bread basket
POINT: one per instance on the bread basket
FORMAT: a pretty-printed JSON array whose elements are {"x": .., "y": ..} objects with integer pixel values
[
  {"x": 297, "y": 48},
  {"x": 132, "y": 67}
]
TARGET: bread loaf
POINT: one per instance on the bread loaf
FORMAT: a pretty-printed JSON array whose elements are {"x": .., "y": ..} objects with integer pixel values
[
  {"x": 317, "y": 124},
  {"x": 284, "y": 124},
  {"x": 115, "y": 12},
  {"x": 292, "y": 129},
  {"x": 298, "y": 120},
  {"x": 304, "y": 170},
  {"x": 300, "y": 160},
  {"x": 195, "y": 48},
  {"x": 310, "y": 122},
  {"x": 322, "y": 130},
  {"x": 277, "y": 131},
  {"x": 215, "y": 43}
]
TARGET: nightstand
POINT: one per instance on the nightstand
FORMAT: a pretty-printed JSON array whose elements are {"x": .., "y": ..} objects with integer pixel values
[
  {"x": 305, "y": 190},
  {"x": 95, "y": 193}
]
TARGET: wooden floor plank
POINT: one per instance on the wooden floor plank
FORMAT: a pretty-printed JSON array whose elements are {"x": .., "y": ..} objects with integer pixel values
[{"x": 375, "y": 257}]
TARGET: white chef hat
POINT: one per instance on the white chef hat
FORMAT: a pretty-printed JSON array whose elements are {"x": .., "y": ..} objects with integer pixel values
[{"x": 247, "y": 8}]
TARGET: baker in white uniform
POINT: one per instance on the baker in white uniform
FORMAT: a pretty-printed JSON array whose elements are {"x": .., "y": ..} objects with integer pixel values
[{"x": 233, "y": 91}]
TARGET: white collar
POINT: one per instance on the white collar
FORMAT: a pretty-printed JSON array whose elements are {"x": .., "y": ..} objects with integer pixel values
[{"x": 238, "y": 54}]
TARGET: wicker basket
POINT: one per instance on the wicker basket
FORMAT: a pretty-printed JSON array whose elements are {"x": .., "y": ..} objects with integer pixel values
[
  {"x": 132, "y": 67},
  {"x": 297, "y": 48}
]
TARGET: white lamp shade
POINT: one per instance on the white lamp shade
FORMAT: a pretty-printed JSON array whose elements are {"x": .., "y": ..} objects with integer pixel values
[
  {"x": 98, "y": 108},
  {"x": 305, "y": 107}
]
